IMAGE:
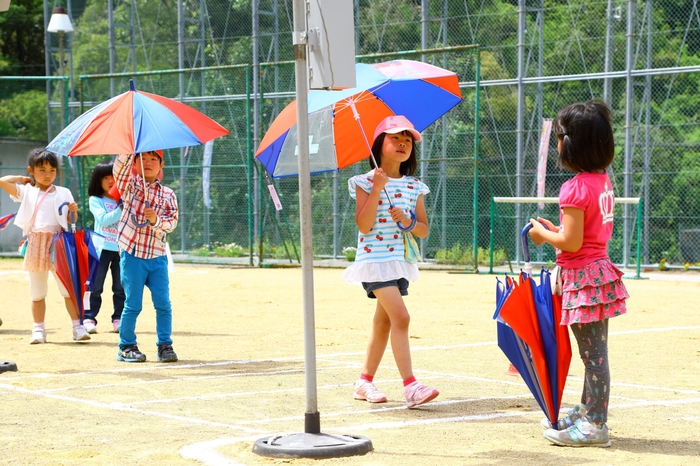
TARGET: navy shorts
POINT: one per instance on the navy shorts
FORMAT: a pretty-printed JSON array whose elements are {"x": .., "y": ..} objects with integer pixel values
[{"x": 400, "y": 283}]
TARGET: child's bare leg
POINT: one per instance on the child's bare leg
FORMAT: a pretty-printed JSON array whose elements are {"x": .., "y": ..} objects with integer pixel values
[
  {"x": 39, "y": 311},
  {"x": 381, "y": 326},
  {"x": 392, "y": 302},
  {"x": 72, "y": 311}
]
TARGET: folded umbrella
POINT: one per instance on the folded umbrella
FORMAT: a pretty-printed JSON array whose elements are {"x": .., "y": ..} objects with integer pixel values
[
  {"x": 528, "y": 317},
  {"x": 5, "y": 220},
  {"x": 76, "y": 262}
]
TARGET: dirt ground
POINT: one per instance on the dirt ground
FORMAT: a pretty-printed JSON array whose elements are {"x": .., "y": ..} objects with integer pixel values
[{"x": 239, "y": 335}]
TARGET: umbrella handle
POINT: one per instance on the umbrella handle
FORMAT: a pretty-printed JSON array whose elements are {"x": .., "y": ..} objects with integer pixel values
[
  {"x": 526, "y": 246},
  {"x": 136, "y": 221},
  {"x": 413, "y": 220},
  {"x": 72, "y": 214}
]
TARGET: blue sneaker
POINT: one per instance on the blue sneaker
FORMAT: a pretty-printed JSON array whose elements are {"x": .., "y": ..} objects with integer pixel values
[{"x": 130, "y": 353}]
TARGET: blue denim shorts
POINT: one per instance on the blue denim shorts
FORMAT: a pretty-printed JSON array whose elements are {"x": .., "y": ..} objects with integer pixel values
[{"x": 400, "y": 283}]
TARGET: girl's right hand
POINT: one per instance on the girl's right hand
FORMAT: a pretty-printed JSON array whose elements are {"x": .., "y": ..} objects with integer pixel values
[
  {"x": 380, "y": 179},
  {"x": 550, "y": 226},
  {"x": 25, "y": 180}
]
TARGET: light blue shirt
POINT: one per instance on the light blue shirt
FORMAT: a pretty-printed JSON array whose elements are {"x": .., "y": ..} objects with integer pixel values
[{"x": 107, "y": 214}]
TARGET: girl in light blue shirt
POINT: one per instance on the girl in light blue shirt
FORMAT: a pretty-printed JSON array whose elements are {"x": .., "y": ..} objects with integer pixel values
[{"x": 106, "y": 209}]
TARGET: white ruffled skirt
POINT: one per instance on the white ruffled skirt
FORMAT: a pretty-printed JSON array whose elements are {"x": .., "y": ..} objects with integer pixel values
[{"x": 369, "y": 272}]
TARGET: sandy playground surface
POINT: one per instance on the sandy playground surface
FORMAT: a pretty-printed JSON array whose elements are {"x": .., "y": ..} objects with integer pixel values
[{"x": 239, "y": 335}]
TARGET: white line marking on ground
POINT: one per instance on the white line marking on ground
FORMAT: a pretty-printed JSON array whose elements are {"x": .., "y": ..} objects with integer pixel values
[
  {"x": 154, "y": 367},
  {"x": 205, "y": 451},
  {"x": 120, "y": 407}
]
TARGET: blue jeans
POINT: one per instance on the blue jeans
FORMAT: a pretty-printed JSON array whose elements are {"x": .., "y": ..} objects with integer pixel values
[
  {"x": 137, "y": 273},
  {"x": 109, "y": 261}
]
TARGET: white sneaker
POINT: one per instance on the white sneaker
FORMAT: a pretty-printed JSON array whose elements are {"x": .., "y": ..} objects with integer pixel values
[
  {"x": 365, "y": 390},
  {"x": 80, "y": 334},
  {"x": 38, "y": 336},
  {"x": 90, "y": 325}
]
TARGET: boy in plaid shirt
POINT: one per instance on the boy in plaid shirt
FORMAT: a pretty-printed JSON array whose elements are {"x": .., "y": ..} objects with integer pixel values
[{"x": 143, "y": 260}]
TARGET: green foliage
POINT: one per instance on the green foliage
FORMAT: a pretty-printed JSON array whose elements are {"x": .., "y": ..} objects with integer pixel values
[
  {"x": 22, "y": 39},
  {"x": 461, "y": 255},
  {"x": 24, "y": 115}
]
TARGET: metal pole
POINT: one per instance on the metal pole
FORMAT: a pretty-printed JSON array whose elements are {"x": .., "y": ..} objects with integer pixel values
[
  {"x": 47, "y": 63},
  {"x": 424, "y": 45},
  {"x": 256, "y": 120},
  {"x": 182, "y": 199},
  {"x": 609, "y": 34},
  {"x": 647, "y": 138},
  {"x": 629, "y": 115},
  {"x": 520, "y": 130},
  {"x": 63, "y": 84},
  {"x": 477, "y": 150},
  {"x": 112, "y": 46},
  {"x": 312, "y": 422}
]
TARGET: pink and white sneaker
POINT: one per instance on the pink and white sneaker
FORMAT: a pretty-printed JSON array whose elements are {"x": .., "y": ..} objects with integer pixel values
[
  {"x": 90, "y": 326},
  {"x": 417, "y": 394},
  {"x": 365, "y": 390},
  {"x": 115, "y": 324}
]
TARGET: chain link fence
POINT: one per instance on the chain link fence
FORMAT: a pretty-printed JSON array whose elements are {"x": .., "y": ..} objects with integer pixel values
[{"x": 642, "y": 57}]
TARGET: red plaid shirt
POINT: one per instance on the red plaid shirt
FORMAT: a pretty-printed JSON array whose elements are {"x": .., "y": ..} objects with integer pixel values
[{"x": 149, "y": 241}]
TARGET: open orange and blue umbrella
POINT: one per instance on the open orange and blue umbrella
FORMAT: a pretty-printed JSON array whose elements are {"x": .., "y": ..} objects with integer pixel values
[
  {"x": 529, "y": 334},
  {"x": 135, "y": 122},
  {"x": 339, "y": 121}
]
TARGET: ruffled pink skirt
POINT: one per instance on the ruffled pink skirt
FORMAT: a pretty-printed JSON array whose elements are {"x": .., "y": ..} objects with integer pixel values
[{"x": 592, "y": 293}]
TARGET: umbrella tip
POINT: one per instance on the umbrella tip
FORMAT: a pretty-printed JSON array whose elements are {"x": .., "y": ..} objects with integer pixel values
[{"x": 131, "y": 85}]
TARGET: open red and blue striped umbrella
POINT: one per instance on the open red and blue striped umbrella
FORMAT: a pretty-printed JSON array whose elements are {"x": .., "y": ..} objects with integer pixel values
[
  {"x": 135, "y": 122},
  {"x": 341, "y": 122}
]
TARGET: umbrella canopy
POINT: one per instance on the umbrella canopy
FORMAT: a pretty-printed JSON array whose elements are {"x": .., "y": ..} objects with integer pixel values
[
  {"x": 529, "y": 334},
  {"x": 135, "y": 122},
  {"x": 5, "y": 220},
  {"x": 76, "y": 261},
  {"x": 339, "y": 121}
]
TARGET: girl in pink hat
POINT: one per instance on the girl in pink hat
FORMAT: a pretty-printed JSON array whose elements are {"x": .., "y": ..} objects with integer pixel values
[{"x": 385, "y": 198}]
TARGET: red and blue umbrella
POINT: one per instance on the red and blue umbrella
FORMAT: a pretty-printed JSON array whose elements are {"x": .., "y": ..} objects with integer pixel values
[
  {"x": 339, "y": 121},
  {"x": 529, "y": 334},
  {"x": 76, "y": 262},
  {"x": 135, "y": 122},
  {"x": 5, "y": 220}
]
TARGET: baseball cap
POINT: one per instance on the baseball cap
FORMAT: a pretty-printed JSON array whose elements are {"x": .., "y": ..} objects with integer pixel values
[{"x": 395, "y": 124}]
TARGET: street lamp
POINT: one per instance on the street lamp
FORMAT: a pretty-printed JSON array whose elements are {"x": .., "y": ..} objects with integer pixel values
[{"x": 60, "y": 23}]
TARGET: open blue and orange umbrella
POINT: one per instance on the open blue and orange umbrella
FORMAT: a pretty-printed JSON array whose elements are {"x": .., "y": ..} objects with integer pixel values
[
  {"x": 339, "y": 121},
  {"x": 529, "y": 334},
  {"x": 135, "y": 122}
]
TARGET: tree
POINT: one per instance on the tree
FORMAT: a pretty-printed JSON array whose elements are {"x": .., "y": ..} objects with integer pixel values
[{"x": 22, "y": 39}]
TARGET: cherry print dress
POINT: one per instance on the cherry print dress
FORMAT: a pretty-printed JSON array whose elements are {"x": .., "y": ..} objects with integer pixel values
[{"x": 380, "y": 253}]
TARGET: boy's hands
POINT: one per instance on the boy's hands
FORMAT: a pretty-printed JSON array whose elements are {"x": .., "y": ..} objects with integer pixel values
[{"x": 150, "y": 215}]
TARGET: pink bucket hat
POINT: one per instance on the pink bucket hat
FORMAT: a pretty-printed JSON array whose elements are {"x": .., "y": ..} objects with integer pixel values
[{"x": 396, "y": 124}]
